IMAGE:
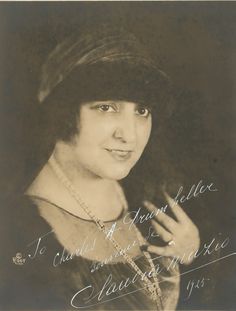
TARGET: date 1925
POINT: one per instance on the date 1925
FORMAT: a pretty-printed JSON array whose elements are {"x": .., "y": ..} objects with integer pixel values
[{"x": 195, "y": 284}]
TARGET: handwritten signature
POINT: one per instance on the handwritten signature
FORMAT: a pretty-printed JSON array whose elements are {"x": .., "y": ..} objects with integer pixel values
[{"x": 110, "y": 286}]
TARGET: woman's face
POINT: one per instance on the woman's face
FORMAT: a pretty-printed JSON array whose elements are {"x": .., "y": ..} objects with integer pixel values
[{"x": 112, "y": 136}]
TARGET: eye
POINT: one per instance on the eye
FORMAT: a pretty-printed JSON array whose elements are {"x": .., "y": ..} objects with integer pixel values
[
  {"x": 106, "y": 108},
  {"x": 143, "y": 111}
]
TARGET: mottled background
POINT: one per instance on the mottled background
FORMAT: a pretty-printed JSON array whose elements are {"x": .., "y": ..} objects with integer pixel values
[{"x": 195, "y": 43}]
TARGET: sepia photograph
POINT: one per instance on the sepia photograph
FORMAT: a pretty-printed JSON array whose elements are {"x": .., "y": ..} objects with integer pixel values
[{"x": 118, "y": 151}]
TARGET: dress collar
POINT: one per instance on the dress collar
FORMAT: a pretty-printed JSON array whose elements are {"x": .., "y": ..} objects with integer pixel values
[{"x": 48, "y": 187}]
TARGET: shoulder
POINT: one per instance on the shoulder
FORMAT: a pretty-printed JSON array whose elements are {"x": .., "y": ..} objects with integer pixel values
[
  {"x": 25, "y": 222},
  {"x": 22, "y": 225},
  {"x": 27, "y": 273}
]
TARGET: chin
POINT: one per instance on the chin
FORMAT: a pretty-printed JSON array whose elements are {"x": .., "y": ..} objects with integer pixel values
[{"x": 118, "y": 174}]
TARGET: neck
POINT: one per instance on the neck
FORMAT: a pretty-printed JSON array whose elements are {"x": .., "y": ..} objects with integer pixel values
[
  {"x": 99, "y": 194},
  {"x": 80, "y": 177}
]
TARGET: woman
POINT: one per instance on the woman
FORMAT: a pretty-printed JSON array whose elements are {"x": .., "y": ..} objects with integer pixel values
[{"x": 91, "y": 248}]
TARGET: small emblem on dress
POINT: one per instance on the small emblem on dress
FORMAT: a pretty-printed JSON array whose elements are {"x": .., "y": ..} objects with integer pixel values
[{"x": 18, "y": 260}]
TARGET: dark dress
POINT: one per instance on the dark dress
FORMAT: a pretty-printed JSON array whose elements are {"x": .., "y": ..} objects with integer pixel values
[{"x": 48, "y": 278}]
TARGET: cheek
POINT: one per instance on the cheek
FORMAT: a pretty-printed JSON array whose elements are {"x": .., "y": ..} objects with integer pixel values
[{"x": 144, "y": 132}]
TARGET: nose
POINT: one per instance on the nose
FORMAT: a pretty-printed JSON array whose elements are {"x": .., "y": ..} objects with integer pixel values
[{"x": 125, "y": 129}]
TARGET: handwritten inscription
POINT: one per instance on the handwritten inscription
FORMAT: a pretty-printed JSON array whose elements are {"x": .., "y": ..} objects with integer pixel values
[
  {"x": 135, "y": 217},
  {"x": 64, "y": 256},
  {"x": 194, "y": 191},
  {"x": 97, "y": 265},
  {"x": 195, "y": 285},
  {"x": 39, "y": 248},
  {"x": 208, "y": 248},
  {"x": 132, "y": 218},
  {"x": 110, "y": 287}
]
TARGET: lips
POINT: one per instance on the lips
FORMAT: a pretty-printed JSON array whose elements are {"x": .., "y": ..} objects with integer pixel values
[{"x": 120, "y": 154}]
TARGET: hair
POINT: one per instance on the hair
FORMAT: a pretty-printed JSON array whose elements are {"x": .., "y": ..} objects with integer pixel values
[{"x": 113, "y": 81}]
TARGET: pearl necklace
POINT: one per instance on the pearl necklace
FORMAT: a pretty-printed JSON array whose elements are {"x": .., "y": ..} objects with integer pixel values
[{"x": 152, "y": 288}]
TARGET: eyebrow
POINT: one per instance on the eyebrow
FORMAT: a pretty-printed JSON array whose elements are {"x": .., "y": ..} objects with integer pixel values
[{"x": 116, "y": 101}]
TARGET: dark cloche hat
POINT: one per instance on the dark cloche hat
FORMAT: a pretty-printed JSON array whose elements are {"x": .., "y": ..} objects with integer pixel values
[{"x": 103, "y": 64}]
